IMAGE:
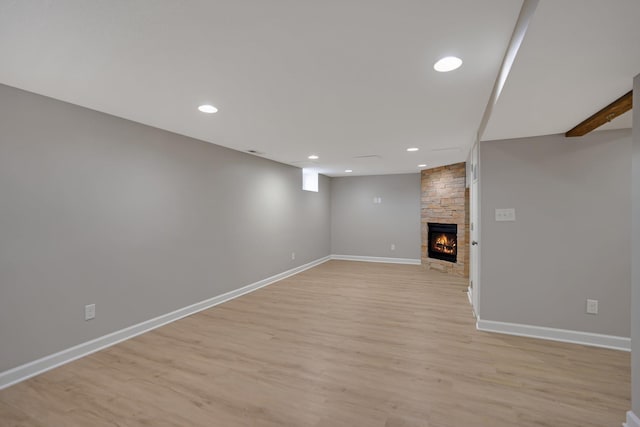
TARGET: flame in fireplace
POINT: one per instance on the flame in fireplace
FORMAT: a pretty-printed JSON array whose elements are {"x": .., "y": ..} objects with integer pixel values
[{"x": 444, "y": 244}]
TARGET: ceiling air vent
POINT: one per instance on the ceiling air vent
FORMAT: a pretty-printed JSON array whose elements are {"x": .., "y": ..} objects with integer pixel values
[
  {"x": 368, "y": 157},
  {"x": 447, "y": 149}
]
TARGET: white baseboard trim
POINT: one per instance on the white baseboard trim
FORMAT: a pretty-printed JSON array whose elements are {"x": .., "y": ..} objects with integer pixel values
[
  {"x": 411, "y": 261},
  {"x": 632, "y": 420},
  {"x": 470, "y": 296},
  {"x": 563, "y": 335},
  {"x": 28, "y": 370}
]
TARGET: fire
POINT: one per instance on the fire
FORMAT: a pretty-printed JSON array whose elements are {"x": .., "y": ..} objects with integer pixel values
[{"x": 444, "y": 244}]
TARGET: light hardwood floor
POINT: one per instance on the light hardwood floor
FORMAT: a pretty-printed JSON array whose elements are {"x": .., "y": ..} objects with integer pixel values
[{"x": 342, "y": 344}]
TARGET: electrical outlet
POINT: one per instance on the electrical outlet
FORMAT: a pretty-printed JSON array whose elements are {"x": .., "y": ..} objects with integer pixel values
[
  {"x": 89, "y": 311},
  {"x": 592, "y": 306},
  {"x": 293, "y": 256},
  {"x": 393, "y": 246}
]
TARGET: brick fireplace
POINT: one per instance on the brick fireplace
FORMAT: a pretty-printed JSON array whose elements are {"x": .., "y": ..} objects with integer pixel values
[{"x": 445, "y": 205}]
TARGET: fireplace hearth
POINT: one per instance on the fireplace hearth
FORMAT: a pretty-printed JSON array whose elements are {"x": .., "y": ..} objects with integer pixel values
[{"x": 443, "y": 241}]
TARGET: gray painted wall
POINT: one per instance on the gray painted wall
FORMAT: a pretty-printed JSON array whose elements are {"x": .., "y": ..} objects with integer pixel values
[
  {"x": 360, "y": 227},
  {"x": 139, "y": 221},
  {"x": 571, "y": 236},
  {"x": 635, "y": 253}
]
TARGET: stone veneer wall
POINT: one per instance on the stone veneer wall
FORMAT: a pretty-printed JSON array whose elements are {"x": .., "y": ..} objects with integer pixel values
[{"x": 445, "y": 199}]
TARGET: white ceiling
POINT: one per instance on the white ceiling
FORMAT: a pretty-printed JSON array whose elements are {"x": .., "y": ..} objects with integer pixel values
[
  {"x": 341, "y": 79},
  {"x": 578, "y": 56},
  {"x": 338, "y": 78}
]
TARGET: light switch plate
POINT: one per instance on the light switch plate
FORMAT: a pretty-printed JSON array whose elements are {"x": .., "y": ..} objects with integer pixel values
[{"x": 506, "y": 214}]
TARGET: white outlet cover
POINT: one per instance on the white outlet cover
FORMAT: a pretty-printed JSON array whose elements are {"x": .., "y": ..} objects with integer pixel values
[
  {"x": 89, "y": 311},
  {"x": 592, "y": 306}
]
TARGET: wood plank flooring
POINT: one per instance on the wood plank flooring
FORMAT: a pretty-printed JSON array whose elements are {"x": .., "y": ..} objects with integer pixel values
[{"x": 342, "y": 344}]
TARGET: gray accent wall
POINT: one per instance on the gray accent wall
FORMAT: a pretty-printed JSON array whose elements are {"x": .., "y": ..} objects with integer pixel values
[
  {"x": 635, "y": 253},
  {"x": 571, "y": 236},
  {"x": 139, "y": 221},
  {"x": 361, "y": 227}
]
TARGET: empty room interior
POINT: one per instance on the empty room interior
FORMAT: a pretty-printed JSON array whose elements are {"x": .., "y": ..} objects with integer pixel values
[{"x": 319, "y": 213}]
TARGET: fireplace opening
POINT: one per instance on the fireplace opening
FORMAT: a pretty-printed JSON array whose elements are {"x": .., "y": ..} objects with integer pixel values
[{"x": 443, "y": 241}]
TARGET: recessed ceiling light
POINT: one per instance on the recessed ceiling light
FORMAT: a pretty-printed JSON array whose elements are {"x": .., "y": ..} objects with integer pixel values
[
  {"x": 313, "y": 157},
  {"x": 209, "y": 109},
  {"x": 448, "y": 63},
  {"x": 348, "y": 170},
  {"x": 412, "y": 149},
  {"x": 422, "y": 166}
]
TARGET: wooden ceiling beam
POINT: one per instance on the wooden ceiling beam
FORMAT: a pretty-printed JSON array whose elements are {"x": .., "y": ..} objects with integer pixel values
[{"x": 608, "y": 113}]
